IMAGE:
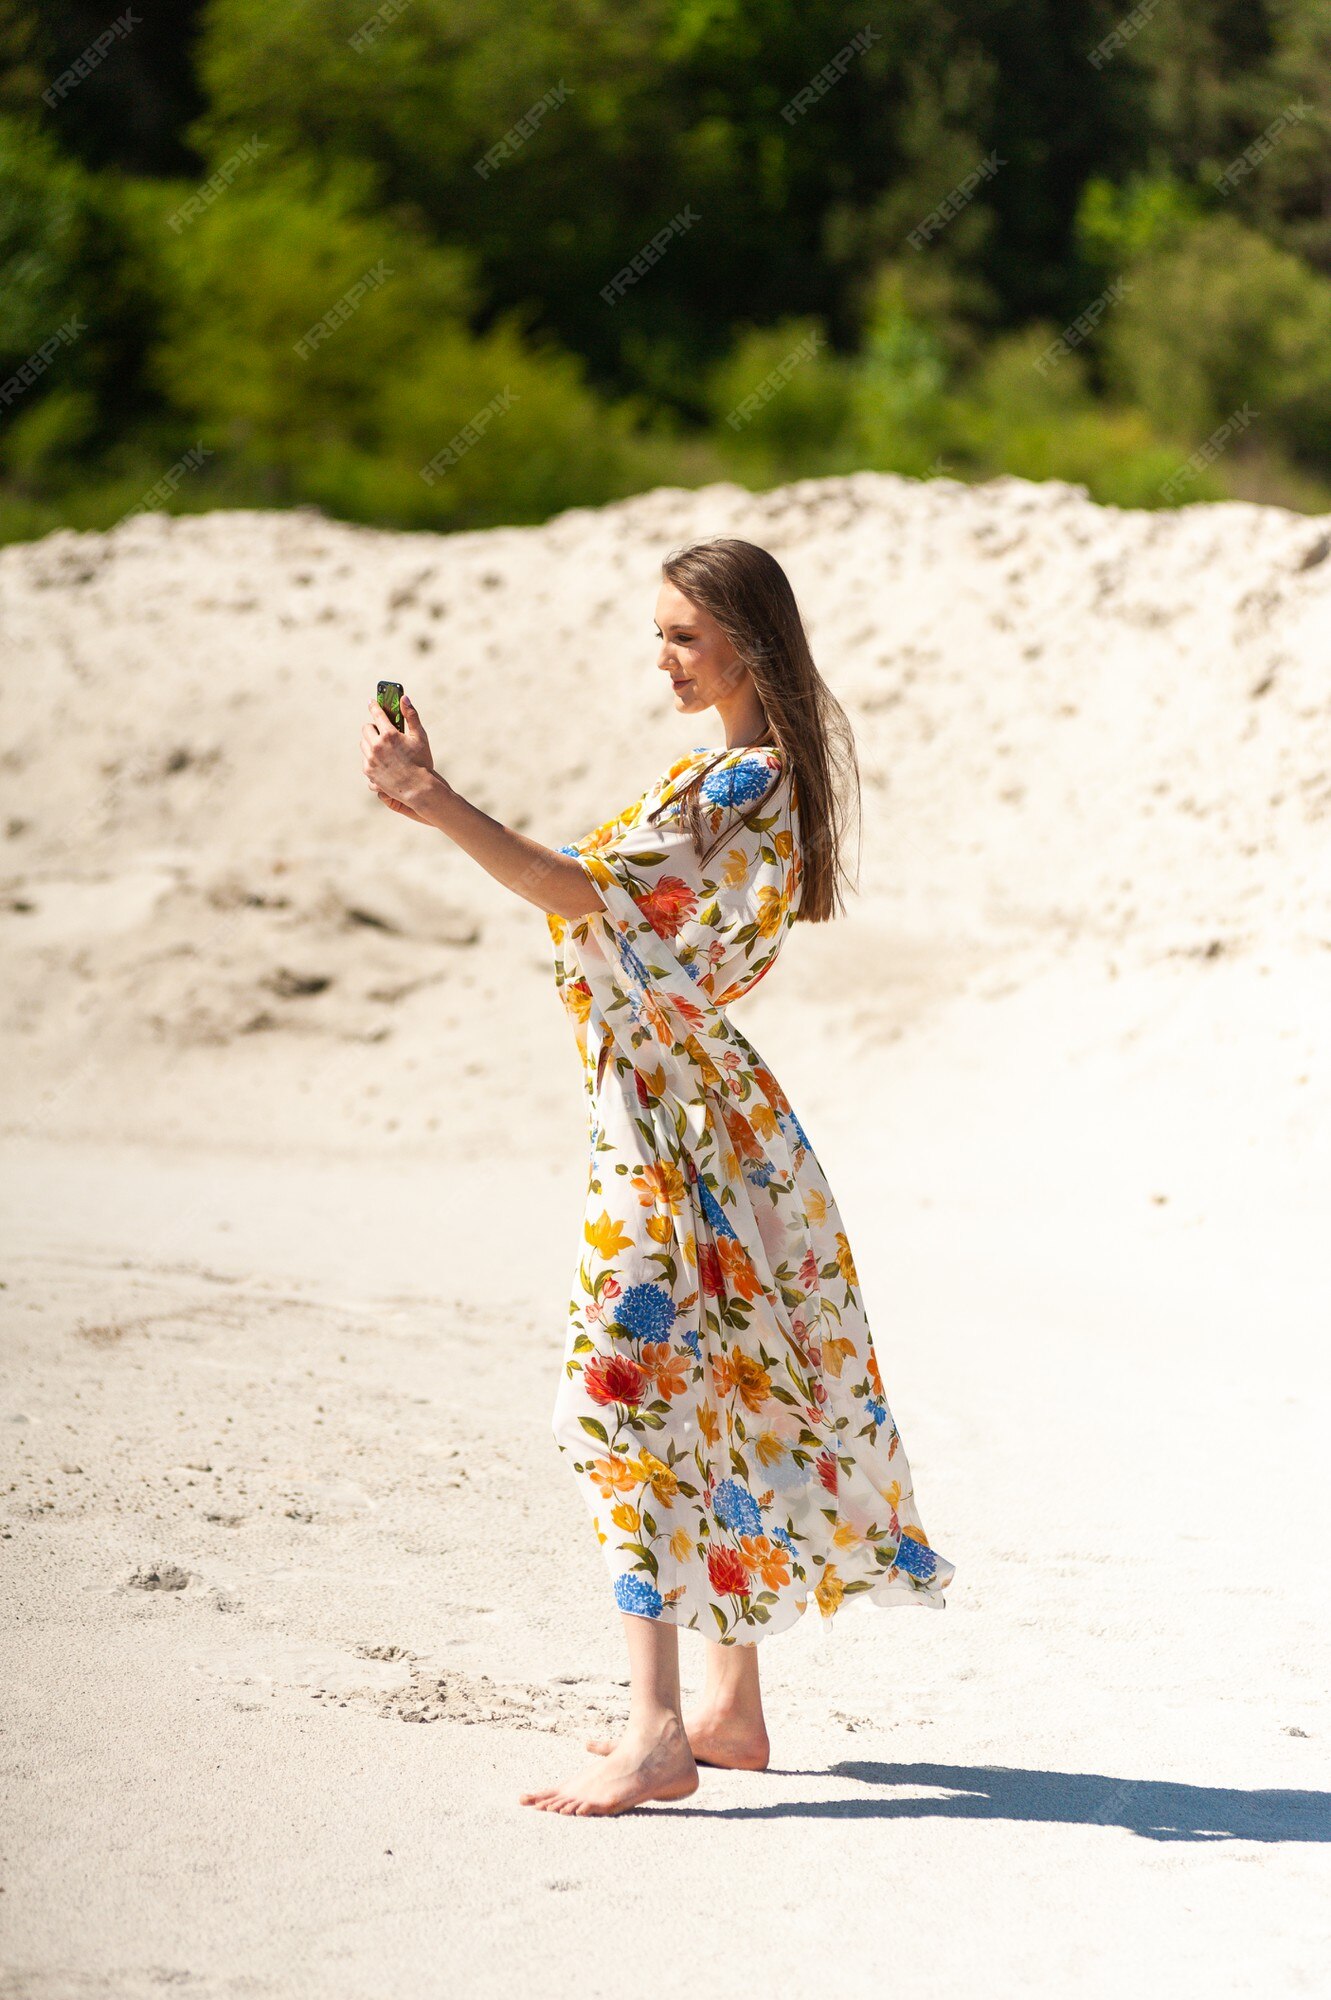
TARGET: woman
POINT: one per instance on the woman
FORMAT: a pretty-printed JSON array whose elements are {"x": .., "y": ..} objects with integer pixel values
[{"x": 721, "y": 1401}]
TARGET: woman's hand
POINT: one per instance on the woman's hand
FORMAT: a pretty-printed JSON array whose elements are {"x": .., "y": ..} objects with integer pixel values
[{"x": 397, "y": 761}]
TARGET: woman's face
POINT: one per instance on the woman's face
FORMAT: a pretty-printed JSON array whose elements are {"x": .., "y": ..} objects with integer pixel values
[{"x": 703, "y": 666}]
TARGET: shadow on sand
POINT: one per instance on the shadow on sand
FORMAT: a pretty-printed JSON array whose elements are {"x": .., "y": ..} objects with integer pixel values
[{"x": 1158, "y": 1810}]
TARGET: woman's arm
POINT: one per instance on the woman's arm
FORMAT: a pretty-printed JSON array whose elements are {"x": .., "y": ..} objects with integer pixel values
[{"x": 399, "y": 770}]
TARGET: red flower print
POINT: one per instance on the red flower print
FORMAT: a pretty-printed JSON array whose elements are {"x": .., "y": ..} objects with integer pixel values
[
  {"x": 614, "y": 1379},
  {"x": 729, "y": 1575},
  {"x": 710, "y": 1275},
  {"x": 827, "y": 1470},
  {"x": 809, "y": 1272},
  {"x": 667, "y": 906}
]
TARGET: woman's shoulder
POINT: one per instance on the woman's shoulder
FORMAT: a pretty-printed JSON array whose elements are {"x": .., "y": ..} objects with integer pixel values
[{"x": 742, "y": 776}]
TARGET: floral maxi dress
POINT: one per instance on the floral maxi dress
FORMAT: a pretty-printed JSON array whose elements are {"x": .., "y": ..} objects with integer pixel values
[{"x": 721, "y": 1400}]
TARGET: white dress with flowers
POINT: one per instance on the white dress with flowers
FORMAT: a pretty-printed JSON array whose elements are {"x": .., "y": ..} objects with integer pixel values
[{"x": 721, "y": 1400}]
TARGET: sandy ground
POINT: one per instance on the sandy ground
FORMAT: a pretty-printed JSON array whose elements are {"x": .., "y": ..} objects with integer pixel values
[{"x": 279, "y": 1356}]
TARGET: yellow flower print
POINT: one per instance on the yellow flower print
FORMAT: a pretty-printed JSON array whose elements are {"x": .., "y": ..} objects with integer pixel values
[
  {"x": 691, "y": 1250},
  {"x": 661, "y": 1185},
  {"x": 764, "y": 1120},
  {"x": 917, "y": 1535},
  {"x": 815, "y": 1205},
  {"x": 681, "y": 1545},
  {"x": 658, "y": 1228},
  {"x": 892, "y": 1495},
  {"x": 769, "y": 1448},
  {"x": 836, "y": 1351},
  {"x": 829, "y": 1590},
  {"x": 771, "y": 911},
  {"x": 607, "y": 1237},
  {"x": 784, "y": 843},
  {"x": 626, "y": 1517},
  {"x": 736, "y": 871},
  {"x": 708, "y": 1424},
  {"x": 847, "y": 1536},
  {"x": 845, "y": 1262},
  {"x": 655, "y": 1473}
]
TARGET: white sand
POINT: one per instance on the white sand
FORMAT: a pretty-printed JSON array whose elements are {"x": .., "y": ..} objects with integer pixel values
[{"x": 288, "y": 1268}]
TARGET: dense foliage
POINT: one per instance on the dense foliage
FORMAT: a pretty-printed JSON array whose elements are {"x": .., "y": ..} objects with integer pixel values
[{"x": 457, "y": 262}]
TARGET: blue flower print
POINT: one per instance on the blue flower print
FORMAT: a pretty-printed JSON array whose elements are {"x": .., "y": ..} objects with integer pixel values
[
  {"x": 790, "y": 1123},
  {"x": 646, "y": 1312},
  {"x": 735, "y": 1508},
  {"x": 712, "y": 1209},
  {"x": 634, "y": 1593},
  {"x": 783, "y": 1535},
  {"x": 631, "y": 962},
  {"x": 693, "y": 1344},
  {"x": 914, "y": 1558},
  {"x": 877, "y": 1409},
  {"x": 738, "y": 784},
  {"x": 758, "y": 1172},
  {"x": 569, "y": 848}
]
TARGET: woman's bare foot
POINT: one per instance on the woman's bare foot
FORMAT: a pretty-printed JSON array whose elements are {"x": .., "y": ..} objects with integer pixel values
[
  {"x": 728, "y": 1741},
  {"x": 641, "y": 1766}
]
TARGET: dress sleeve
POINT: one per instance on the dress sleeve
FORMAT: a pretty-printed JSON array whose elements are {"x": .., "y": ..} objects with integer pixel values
[{"x": 678, "y": 937}]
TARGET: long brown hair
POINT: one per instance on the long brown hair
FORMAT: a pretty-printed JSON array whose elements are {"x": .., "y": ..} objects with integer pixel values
[{"x": 749, "y": 595}]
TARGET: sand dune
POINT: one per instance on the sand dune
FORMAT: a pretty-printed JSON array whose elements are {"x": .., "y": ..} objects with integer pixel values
[{"x": 280, "y": 1347}]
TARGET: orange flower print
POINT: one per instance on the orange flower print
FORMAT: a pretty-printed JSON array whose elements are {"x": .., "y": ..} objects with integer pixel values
[
  {"x": 768, "y": 1558},
  {"x": 727, "y": 1573},
  {"x": 669, "y": 1370},
  {"x": 738, "y": 1267},
  {"x": 661, "y": 1185},
  {"x": 742, "y": 1135},
  {"x": 669, "y": 905},
  {"x": 771, "y": 1089},
  {"x": 739, "y": 1371},
  {"x": 845, "y": 1262},
  {"x": 612, "y": 1475},
  {"x": 875, "y": 1379}
]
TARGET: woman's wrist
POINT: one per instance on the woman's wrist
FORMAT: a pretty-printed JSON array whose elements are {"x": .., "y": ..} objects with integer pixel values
[{"x": 427, "y": 794}]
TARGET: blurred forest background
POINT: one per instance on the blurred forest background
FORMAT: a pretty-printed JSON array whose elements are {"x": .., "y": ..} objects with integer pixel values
[{"x": 213, "y": 177}]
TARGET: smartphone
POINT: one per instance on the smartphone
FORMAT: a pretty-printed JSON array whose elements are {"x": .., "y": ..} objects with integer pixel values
[{"x": 390, "y": 701}]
